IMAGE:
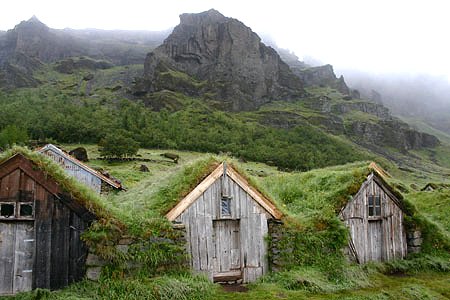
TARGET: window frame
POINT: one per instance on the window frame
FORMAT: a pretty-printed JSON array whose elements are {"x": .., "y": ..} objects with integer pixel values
[
  {"x": 225, "y": 215},
  {"x": 11, "y": 217},
  {"x": 374, "y": 207},
  {"x": 19, "y": 211},
  {"x": 22, "y": 198}
]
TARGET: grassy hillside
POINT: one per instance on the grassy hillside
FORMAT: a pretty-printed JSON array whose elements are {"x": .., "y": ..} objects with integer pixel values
[{"x": 72, "y": 108}]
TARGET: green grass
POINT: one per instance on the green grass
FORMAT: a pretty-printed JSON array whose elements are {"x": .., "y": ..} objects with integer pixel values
[
  {"x": 434, "y": 205},
  {"x": 427, "y": 285}
]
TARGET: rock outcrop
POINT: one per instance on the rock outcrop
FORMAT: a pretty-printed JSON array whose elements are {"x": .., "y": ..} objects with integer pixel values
[
  {"x": 374, "y": 109},
  {"x": 227, "y": 61},
  {"x": 18, "y": 70},
  {"x": 68, "y": 66},
  {"x": 321, "y": 76},
  {"x": 392, "y": 133}
]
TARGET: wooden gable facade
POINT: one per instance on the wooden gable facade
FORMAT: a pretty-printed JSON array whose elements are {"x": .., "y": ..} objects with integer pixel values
[
  {"x": 374, "y": 217},
  {"x": 226, "y": 225},
  {"x": 75, "y": 168},
  {"x": 40, "y": 228}
]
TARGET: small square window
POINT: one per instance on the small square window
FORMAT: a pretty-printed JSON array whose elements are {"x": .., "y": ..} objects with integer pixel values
[
  {"x": 7, "y": 210},
  {"x": 225, "y": 205},
  {"x": 374, "y": 206},
  {"x": 26, "y": 210}
]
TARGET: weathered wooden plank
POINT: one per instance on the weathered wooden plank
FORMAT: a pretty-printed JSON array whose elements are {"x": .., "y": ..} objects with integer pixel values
[
  {"x": 7, "y": 250},
  {"x": 235, "y": 247},
  {"x": 59, "y": 246},
  {"x": 24, "y": 257},
  {"x": 43, "y": 228},
  {"x": 255, "y": 194},
  {"x": 263, "y": 249},
  {"x": 208, "y": 230},
  {"x": 194, "y": 239},
  {"x": 194, "y": 194},
  {"x": 227, "y": 276},
  {"x": 201, "y": 219},
  {"x": 225, "y": 245},
  {"x": 14, "y": 183}
]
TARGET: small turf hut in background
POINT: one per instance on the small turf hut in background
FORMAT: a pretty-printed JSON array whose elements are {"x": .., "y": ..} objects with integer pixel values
[
  {"x": 81, "y": 172},
  {"x": 375, "y": 219}
]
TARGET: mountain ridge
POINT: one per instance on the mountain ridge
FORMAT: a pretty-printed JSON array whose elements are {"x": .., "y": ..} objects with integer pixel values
[{"x": 212, "y": 63}]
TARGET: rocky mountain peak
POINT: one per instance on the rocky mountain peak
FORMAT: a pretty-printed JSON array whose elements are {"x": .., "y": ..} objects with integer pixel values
[
  {"x": 210, "y": 16},
  {"x": 228, "y": 57},
  {"x": 33, "y": 24}
]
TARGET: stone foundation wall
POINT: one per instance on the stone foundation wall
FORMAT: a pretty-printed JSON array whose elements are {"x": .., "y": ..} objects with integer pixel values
[
  {"x": 414, "y": 241},
  {"x": 274, "y": 251},
  {"x": 95, "y": 264}
]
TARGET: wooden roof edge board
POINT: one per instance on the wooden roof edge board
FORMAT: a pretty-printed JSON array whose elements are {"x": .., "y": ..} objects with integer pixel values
[
  {"x": 19, "y": 161},
  {"x": 268, "y": 205},
  {"x": 183, "y": 204},
  {"x": 80, "y": 164},
  {"x": 382, "y": 172},
  {"x": 388, "y": 190}
]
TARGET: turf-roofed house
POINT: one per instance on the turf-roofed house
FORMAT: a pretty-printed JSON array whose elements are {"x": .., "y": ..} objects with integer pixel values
[
  {"x": 226, "y": 222},
  {"x": 41, "y": 222},
  {"x": 84, "y": 174},
  {"x": 375, "y": 219}
]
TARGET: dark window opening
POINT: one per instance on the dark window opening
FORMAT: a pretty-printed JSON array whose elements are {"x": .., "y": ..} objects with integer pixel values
[
  {"x": 26, "y": 210},
  {"x": 374, "y": 206},
  {"x": 7, "y": 210},
  {"x": 226, "y": 206}
]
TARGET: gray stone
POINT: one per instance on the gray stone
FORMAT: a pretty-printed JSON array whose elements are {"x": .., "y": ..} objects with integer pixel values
[
  {"x": 125, "y": 241},
  {"x": 122, "y": 248},
  {"x": 416, "y": 242},
  {"x": 413, "y": 250},
  {"x": 93, "y": 273},
  {"x": 94, "y": 260},
  {"x": 414, "y": 234}
]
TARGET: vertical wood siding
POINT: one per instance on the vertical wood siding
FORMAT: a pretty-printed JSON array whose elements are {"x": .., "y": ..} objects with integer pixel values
[
  {"x": 76, "y": 171},
  {"x": 375, "y": 238},
  {"x": 219, "y": 243},
  {"x": 46, "y": 251}
]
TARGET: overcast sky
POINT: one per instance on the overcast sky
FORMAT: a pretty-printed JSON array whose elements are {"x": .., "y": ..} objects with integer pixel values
[{"x": 379, "y": 36}]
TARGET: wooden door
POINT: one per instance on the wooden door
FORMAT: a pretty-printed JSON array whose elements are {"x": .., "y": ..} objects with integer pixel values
[
  {"x": 227, "y": 259},
  {"x": 16, "y": 256},
  {"x": 375, "y": 240}
]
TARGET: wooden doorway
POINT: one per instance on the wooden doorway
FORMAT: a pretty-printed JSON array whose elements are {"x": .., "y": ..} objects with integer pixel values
[
  {"x": 17, "y": 246},
  {"x": 227, "y": 251},
  {"x": 375, "y": 238}
]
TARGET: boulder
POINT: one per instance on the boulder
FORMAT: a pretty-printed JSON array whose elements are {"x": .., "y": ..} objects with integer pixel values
[
  {"x": 144, "y": 168},
  {"x": 80, "y": 153},
  {"x": 173, "y": 156}
]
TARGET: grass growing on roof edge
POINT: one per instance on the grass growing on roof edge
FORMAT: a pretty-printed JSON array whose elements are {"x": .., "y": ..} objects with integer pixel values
[{"x": 68, "y": 184}]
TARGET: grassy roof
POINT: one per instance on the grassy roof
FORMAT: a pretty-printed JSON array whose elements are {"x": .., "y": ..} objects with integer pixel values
[
  {"x": 68, "y": 184},
  {"x": 321, "y": 192}
]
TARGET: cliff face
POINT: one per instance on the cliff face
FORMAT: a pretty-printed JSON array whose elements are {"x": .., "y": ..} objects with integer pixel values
[
  {"x": 238, "y": 69},
  {"x": 322, "y": 76}
]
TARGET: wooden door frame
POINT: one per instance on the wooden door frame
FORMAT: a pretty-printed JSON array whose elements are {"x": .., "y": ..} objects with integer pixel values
[{"x": 231, "y": 275}]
